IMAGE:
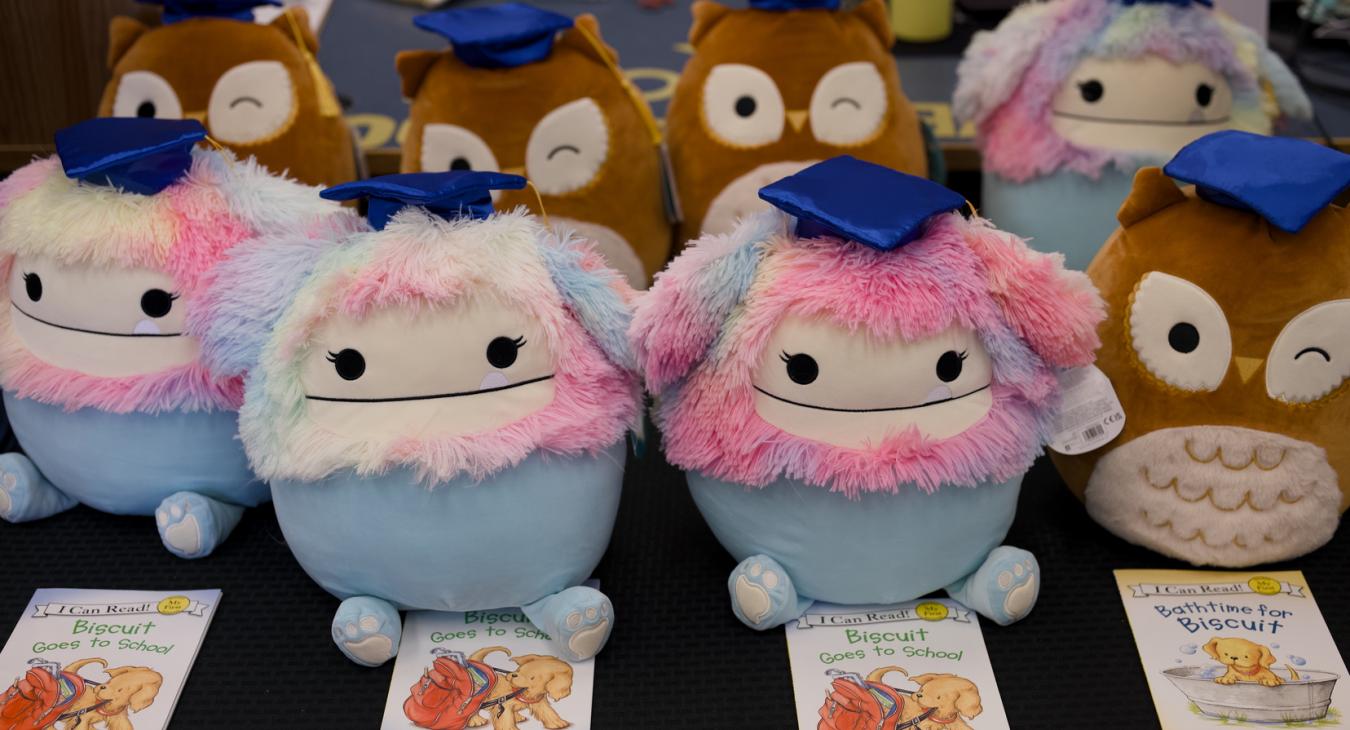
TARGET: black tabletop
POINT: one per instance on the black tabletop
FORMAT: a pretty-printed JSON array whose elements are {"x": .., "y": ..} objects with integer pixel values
[{"x": 677, "y": 658}]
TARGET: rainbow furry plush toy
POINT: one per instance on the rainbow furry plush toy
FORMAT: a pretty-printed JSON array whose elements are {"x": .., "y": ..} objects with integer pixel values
[
  {"x": 440, "y": 403},
  {"x": 855, "y": 393},
  {"x": 104, "y": 251},
  {"x": 1071, "y": 97}
]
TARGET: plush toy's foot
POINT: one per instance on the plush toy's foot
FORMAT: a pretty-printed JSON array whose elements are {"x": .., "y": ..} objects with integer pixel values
[
  {"x": 25, "y": 494},
  {"x": 367, "y": 630},
  {"x": 1004, "y": 589},
  {"x": 192, "y": 525},
  {"x": 762, "y": 595},
  {"x": 578, "y": 619}
]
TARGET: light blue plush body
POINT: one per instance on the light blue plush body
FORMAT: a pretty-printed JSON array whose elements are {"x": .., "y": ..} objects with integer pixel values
[
  {"x": 1064, "y": 211},
  {"x": 527, "y": 536},
  {"x": 187, "y": 469},
  {"x": 877, "y": 549}
]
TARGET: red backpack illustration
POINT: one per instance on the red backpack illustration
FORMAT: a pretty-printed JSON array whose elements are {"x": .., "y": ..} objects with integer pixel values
[
  {"x": 451, "y": 692},
  {"x": 36, "y": 700},
  {"x": 852, "y": 703}
]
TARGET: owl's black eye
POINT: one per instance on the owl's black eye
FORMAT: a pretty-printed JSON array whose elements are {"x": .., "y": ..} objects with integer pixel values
[
  {"x": 949, "y": 365},
  {"x": 348, "y": 363},
  {"x": 502, "y": 351},
  {"x": 32, "y": 284},
  {"x": 460, "y": 163},
  {"x": 1183, "y": 337},
  {"x": 802, "y": 369},
  {"x": 1204, "y": 94},
  {"x": 157, "y": 302},
  {"x": 1091, "y": 90},
  {"x": 146, "y": 110},
  {"x": 745, "y": 106}
]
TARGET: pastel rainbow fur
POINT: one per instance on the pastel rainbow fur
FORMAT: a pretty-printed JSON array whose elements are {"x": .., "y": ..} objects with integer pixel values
[
  {"x": 183, "y": 231},
  {"x": 1009, "y": 77},
  {"x": 701, "y": 331},
  {"x": 269, "y": 297}
]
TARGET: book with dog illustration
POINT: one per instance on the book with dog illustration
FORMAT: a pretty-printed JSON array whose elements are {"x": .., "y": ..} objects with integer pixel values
[
  {"x": 81, "y": 659},
  {"x": 920, "y": 665},
  {"x": 1234, "y": 649},
  {"x": 488, "y": 669}
]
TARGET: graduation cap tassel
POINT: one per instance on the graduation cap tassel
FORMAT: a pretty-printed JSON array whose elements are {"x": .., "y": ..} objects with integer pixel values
[
  {"x": 634, "y": 93},
  {"x": 540, "y": 199},
  {"x": 328, "y": 105}
]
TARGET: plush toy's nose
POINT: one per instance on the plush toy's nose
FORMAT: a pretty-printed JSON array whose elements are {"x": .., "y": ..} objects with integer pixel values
[
  {"x": 1247, "y": 366},
  {"x": 514, "y": 170},
  {"x": 797, "y": 119}
]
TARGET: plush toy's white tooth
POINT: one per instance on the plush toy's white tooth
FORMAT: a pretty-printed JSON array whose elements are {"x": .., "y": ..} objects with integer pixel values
[
  {"x": 146, "y": 327},
  {"x": 493, "y": 379}
]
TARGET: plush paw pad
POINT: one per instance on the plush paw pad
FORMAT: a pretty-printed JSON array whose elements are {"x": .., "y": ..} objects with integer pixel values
[
  {"x": 367, "y": 630},
  {"x": 24, "y": 494},
  {"x": 185, "y": 525},
  {"x": 1021, "y": 587},
  {"x": 585, "y": 631},
  {"x": 761, "y": 592},
  {"x": 1006, "y": 586}
]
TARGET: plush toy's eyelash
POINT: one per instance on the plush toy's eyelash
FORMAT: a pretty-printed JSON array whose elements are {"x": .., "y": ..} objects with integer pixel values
[
  {"x": 784, "y": 356},
  {"x": 963, "y": 355},
  {"x": 519, "y": 341},
  {"x": 332, "y": 356}
]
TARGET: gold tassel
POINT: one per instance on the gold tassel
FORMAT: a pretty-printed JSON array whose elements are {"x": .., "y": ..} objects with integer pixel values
[{"x": 328, "y": 104}]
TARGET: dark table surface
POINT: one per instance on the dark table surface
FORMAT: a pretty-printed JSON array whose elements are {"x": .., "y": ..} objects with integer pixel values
[{"x": 677, "y": 659}]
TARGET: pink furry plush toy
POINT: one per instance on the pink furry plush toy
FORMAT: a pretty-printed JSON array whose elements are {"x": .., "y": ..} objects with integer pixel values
[
  {"x": 855, "y": 383},
  {"x": 104, "y": 250},
  {"x": 1070, "y": 97}
]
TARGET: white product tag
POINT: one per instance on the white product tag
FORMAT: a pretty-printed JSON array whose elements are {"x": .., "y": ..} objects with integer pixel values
[{"x": 1089, "y": 414}]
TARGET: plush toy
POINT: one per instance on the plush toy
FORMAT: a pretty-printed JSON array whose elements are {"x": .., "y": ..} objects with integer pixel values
[
  {"x": 104, "y": 251},
  {"x": 257, "y": 88},
  {"x": 1228, "y": 344},
  {"x": 536, "y": 93},
  {"x": 1071, "y": 97},
  {"x": 855, "y": 386},
  {"x": 776, "y": 87},
  {"x": 440, "y": 403}
]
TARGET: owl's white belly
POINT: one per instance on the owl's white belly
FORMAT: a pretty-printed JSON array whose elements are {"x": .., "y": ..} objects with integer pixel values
[
  {"x": 1217, "y": 495},
  {"x": 740, "y": 198}
]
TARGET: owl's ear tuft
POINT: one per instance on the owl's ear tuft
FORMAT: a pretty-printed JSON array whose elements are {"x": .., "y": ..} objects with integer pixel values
[
  {"x": 576, "y": 37},
  {"x": 873, "y": 14},
  {"x": 706, "y": 15},
  {"x": 412, "y": 69},
  {"x": 122, "y": 33},
  {"x": 293, "y": 22},
  {"x": 1153, "y": 190}
]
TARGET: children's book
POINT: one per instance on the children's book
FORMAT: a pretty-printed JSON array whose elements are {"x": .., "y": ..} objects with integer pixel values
[
  {"x": 454, "y": 669},
  {"x": 919, "y": 664},
  {"x": 115, "y": 659},
  {"x": 1234, "y": 649}
]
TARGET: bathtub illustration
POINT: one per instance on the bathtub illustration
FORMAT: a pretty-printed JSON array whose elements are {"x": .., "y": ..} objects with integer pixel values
[{"x": 1297, "y": 700}]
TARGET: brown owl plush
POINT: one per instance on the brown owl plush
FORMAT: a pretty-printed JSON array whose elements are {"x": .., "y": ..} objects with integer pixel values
[
  {"x": 776, "y": 87},
  {"x": 257, "y": 88},
  {"x": 539, "y": 94},
  {"x": 1228, "y": 343}
]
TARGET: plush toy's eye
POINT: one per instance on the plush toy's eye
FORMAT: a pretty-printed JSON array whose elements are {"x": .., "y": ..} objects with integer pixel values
[
  {"x": 1311, "y": 357},
  {"x": 849, "y": 104},
  {"x": 451, "y": 147},
  {"x": 349, "y": 364},
  {"x": 1091, "y": 90},
  {"x": 146, "y": 94},
  {"x": 567, "y": 148},
  {"x": 502, "y": 351},
  {"x": 802, "y": 369},
  {"x": 1179, "y": 332},
  {"x": 157, "y": 302},
  {"x": 252, "y": 103},
  {"x": 742, "y": 106},
  {"x": 949, "y": 365},
  {"x": 1204, "y": 94},
  {"x": 32, "y": 284}
]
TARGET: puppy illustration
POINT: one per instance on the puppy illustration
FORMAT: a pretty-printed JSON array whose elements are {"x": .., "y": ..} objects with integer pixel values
[
  {"x": 953, "y": 700},
  {"x": 536, "y": 680},
  {"x": 1247, "y": 661}
]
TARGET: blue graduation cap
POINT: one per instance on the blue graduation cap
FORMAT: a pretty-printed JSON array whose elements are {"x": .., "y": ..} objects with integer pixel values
[
  {"x": 1284, "y": 180},
  {"x": 450, "y": 195},
  {"x": 139, "y": 155},
  {"x": 176, "y": 10},
  {"x": 859, "y": 201},
  {"x": 497, "y": 36},
  {"x": 782, "y": 5}
]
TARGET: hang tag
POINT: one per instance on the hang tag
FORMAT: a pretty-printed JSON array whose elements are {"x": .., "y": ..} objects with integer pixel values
[
  {"x": 1089, "y": 415},
  {"x": 670, "y": 194}
]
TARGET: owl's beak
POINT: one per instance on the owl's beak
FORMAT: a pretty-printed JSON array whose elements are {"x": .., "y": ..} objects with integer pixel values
[
  {"x": 1247, "y": 366},
  {"x": 196, "y": 116},
  {"x": 797, "y": 119},
  {"x": 514, "y": 170}
]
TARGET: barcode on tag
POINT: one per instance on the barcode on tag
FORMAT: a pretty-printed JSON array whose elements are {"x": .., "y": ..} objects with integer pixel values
[
  {"x": 1089, "y": 415},
  {"x": 1094, "y": 432}
]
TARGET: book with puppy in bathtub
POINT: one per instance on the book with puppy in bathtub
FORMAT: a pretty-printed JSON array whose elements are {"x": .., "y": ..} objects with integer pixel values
[
  {"x": 1234, "y": 649},
  {"x": 920, "y": 664}
]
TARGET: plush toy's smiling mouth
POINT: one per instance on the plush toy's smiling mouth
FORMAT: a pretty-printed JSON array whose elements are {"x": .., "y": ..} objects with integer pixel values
[
  {"x": 143, "y": 328},
  {"x": 434, "y": 396},
  {"x": 1147, "y": 122},
  {"x": 925, "y": 404}
]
